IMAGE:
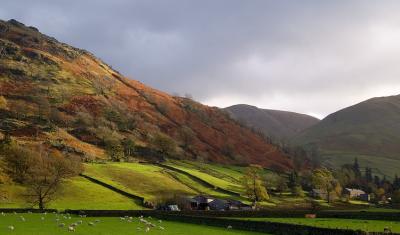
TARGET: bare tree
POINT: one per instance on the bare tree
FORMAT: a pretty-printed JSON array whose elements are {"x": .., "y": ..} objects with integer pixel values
[{"x": 46, "y": 174}]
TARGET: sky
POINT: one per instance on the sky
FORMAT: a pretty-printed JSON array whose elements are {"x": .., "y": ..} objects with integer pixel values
[{"x": 312, "y": 57}]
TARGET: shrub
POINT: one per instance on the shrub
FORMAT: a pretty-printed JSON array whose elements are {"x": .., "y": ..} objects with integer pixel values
[{"x": 3, "y": 103}]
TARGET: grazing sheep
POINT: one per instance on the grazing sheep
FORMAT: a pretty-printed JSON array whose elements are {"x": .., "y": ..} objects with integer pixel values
[
  {"x": 387, "y": 230},
  {"x": 11, "y": 227},
  {"x": 2, "y": 213},
  {"x": 71, "y": 229},
  {"x": 147, "y": 229},
  {"x": 22, "y": 218},
  {"x": 229, "y": 227}
]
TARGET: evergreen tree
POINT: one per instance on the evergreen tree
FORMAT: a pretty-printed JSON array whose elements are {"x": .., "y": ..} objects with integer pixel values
[
  {"x": 368, "y": 175},
  {"x": 396, "y": 183},
  {"x": 356, "y": 168}
]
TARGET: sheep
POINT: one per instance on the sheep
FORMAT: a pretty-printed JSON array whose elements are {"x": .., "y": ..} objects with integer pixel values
[
  {"x": 71, "y": 229},
  {"x": 22, "y": 218},
  {"x": 11, "y": 227},
  {"x": 229, "y": 227},
  {"x": 147, "y": 229},
  {"x": 162, "y": 228},
  {"x": 42, "y": 218}
]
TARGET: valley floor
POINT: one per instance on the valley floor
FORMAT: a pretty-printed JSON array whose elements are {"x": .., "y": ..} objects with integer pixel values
[{"x": 49, "y": 224}]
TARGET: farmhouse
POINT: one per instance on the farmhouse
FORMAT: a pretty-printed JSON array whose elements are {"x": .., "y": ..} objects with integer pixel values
[
  {"x": 209, "y": 203},
  {"x": 352, "y": 193},
  {"x": 201, "y": 202}
]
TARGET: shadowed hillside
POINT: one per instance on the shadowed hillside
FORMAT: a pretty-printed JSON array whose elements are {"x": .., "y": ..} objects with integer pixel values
[
  {"x": 369, "y": 130},
  {"x": 68, "y": 99},
  {"x": 280, "y": 125}
]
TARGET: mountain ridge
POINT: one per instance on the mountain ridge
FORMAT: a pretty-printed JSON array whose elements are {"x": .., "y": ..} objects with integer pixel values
[
  {"x": 277, "y": 124},
  {"x": 46, "y": 83}
]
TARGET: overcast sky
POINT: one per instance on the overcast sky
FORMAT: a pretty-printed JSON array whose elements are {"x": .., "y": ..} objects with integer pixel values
[{"x": 313, "y": 57}]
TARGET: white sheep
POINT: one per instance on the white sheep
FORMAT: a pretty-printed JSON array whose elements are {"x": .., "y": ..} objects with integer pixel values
[
  {"x": 147, "y": 229},
  {"x": 71, "y": 229},
  {"x": 11, "y": 227},
  {"x": 229, "y": 227},
  {"x": 91, "y": 224}
]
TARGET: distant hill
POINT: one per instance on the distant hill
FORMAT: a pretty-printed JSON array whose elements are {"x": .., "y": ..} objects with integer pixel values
[
  {"x": 273, "y": 123},
  {"x": 66, "y": 98},
  {"x": 369, "y": 130}
]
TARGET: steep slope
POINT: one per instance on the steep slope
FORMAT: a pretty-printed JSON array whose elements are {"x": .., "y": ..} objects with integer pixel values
[
  {"x": 68, "y": 99},
  {"x": 274, "y": 123},
  {"x": 369, "y": 130}
]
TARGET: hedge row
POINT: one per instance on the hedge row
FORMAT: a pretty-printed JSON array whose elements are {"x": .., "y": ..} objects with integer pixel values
[{"x": 26, "y": 210}]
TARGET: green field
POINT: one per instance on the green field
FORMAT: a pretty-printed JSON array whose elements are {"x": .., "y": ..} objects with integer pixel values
[
  {"x": 40, "y": 224},
  {"x": 144, "y": 180},
  {"x": 353, "y": 224},
  {"x": 148, "y": 180},
  {"x": 75, "y": 193}
]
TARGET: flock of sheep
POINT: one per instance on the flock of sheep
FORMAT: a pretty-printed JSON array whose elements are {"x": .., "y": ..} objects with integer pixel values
[{"x": 72, "y": 227}]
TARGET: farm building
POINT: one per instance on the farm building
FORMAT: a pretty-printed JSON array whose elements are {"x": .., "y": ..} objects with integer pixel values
[
  {"x": 209, "y": 203},
  {"x": 352, "y": 193}
]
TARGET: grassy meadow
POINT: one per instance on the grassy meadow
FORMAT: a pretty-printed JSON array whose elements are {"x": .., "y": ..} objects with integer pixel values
[
  {"x": 49, "y": 224},
  {"x": 353, "y": 224},
  {"x": 75, "y": 193}
]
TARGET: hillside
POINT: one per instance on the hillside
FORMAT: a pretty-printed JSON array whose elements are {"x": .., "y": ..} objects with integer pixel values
[
  {"x": 281, "y": 125},
  {"x": 369, "y": 130},
  {"x": 66, "y": 98}
]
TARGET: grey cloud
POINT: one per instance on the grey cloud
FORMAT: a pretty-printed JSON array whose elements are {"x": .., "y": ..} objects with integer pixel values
[{"x": 306, "y": 56}]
